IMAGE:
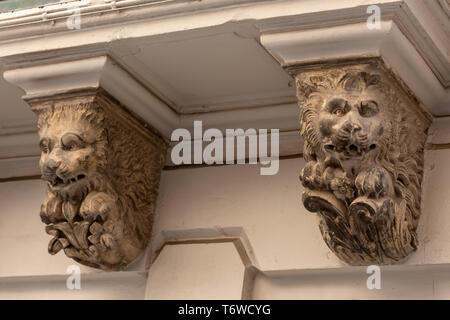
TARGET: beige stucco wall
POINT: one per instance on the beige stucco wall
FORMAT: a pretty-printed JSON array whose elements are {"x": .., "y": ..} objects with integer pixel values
[{"x": 282, "y": 234}]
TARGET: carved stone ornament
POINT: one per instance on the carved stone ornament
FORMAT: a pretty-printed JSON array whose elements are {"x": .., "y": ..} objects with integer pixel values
[
  {"x": 364, "y": 140},
  {"x": 102, "y": 169}
]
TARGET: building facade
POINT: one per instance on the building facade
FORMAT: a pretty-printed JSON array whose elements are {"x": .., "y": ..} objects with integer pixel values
[{"x": 224, "y": 149}]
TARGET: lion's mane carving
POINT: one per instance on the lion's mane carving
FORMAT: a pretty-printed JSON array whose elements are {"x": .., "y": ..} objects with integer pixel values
[
  {"x": 364, "y": 152},
  {"x": 102, "y": 177}
]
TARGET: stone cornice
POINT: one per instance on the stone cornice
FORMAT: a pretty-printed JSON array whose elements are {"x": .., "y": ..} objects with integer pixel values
[
  {"x": 406, "y": 26},
  {"x": 294, "y": 32},
  {"x": 41, "y": 80},
  {"x": 355, "y": 41},
  {"x": 44, "y": 79}
]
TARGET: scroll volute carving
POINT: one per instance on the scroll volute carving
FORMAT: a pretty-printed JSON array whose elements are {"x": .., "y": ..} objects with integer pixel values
[
  {"x": 363, "y": 147},
  {"x": 102, "y": 170}
]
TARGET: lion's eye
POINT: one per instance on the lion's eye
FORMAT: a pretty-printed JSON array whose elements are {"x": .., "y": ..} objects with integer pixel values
[
  {"x": 44, "y": 145},
  {"x": 71, "y": 141},
  {"x": 368, "y": 109},
  {"x": 338, "y": 107}
]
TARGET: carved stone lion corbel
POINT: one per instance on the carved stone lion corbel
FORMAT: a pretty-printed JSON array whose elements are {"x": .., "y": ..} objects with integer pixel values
[
  {"x": 363, "y": 146},
  {"x": 102, "y": 170}
]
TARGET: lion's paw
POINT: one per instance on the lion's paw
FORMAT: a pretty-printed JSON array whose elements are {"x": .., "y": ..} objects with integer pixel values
[
  {"x": 374, "y": 183},
  {"x": 97, "y": 206}
]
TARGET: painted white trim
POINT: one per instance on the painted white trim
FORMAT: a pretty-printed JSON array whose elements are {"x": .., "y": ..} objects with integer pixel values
[
  {"x": 19, "y": 167},
  {"x": 152, "y": 20},
  {"x": 330, "y": 43},
  {"x": 292, "y": 31},
  {"x": 95, "y": 72},
  {"x": 357, "y": 41},
  {"x": 290, "y": 144},
  {"x": 17, "y": 127},
  {"x": 125, "y": 88},
  {"x": 427, "y": 27},
  {"x": 439, "y": 132},
  {"x": 19, "y": 152},
  {"x": 308, "y": 30},
  {"x": 424, "y": 23},
  {"x": 406, "y": 62},
  {"x": 45, "y": 80},
  {"x": 214, "y": 234},
  {"x": 19, "y": 145}
]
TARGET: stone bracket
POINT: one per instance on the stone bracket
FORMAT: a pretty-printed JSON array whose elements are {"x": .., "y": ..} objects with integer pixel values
[
  {"x": 364, "y": 143},
  {"x": 102, "y": 169}
]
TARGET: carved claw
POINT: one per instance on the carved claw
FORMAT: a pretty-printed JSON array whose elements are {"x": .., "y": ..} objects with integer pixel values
[
  {"x": 311, "y": 175},
  {"x": 97, "y": 206},
  {"x": 51, "y": 211},
  {"x": 374, "y": 183},
  {"x": 107, "y": 241}
]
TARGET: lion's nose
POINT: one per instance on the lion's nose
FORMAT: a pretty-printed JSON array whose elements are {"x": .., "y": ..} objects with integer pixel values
[
  {"x": 352, "y": 126},
  {"x": 52, "y": 164},
  {"x": 355, "y": 127}
]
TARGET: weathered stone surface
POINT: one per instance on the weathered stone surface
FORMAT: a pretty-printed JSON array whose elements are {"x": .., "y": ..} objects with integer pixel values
[
  {"x": 102, "y": 169},
  {"x": 364, "y": 140}
]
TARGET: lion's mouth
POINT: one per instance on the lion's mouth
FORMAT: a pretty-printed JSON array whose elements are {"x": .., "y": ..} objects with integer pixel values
[
  {"x": 350, "y": 150},
  {"x": 58, "y": 182}
]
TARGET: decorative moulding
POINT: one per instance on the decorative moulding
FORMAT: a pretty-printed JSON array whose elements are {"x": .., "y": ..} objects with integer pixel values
[
  {"x": 57, "y": 76},
  {"x": 51, "y": 78},
  {"x": 355, "y": 41},
  {"x": 304, "y": 25},
  {"x": 427, "y": 27},
  {"x": 416, "y": 57},
  {"x": 364, "y": 142},
  {"x": 163, "y": 19},
  {"x": 19, "y": 154},
  {"x": 42, "y": 79},
  {"x": 19, "y": 166}
]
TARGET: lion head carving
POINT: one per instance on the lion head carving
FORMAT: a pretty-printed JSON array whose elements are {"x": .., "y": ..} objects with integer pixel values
[
  {"x": 102, "y": 177},
  {"x": 364, "y": 153}
]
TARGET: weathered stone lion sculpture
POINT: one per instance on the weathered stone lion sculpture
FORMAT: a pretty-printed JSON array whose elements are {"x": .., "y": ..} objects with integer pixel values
[
  {"x": 364, "y": 152},
  {"x": 102, "y": 174}
]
